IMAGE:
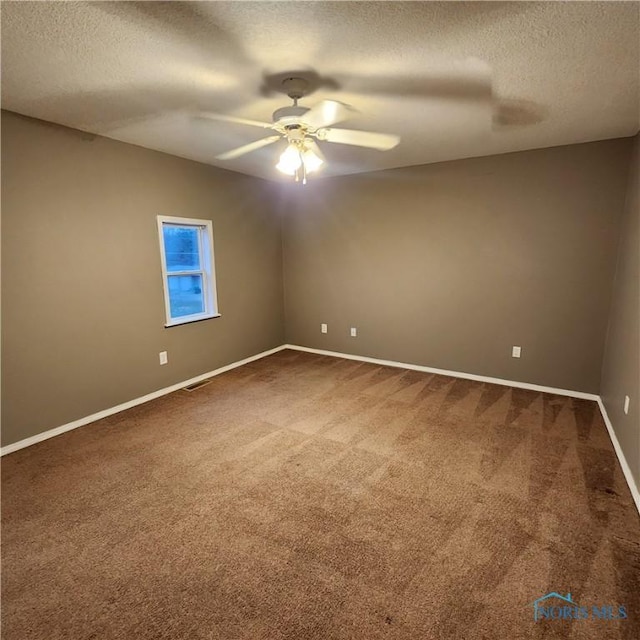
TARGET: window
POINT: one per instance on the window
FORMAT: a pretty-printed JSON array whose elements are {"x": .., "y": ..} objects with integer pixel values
[{"x": 186, "y": 248}]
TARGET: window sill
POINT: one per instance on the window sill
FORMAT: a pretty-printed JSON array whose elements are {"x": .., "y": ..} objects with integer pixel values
[{"x": 177, "y": 323}]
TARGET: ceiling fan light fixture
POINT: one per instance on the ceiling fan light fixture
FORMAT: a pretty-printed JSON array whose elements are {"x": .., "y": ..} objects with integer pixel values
[
  {"x": 290, "y": 160},
  {"x": 298, "y": 160},
  {"x": 312, "y": 162}
]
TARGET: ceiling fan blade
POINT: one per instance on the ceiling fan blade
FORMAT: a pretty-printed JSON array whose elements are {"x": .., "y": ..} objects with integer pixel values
[
  {"x": 466, "y": 79},
  {"x": 252, "y": 146},
  {"x": 380, "y": 141},
  {"x": 326, "y": 113},
  {"x": 222, "y": 118},
  {"x": 513, "y": 113}
]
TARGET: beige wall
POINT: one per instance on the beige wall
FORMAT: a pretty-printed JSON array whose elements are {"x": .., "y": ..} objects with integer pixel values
[
  {"x": 621, "y": 369},
  {"x": 449, "y": 265},
  {"x": 445, "y": 265},
  {"x": 82, "y": 299}
]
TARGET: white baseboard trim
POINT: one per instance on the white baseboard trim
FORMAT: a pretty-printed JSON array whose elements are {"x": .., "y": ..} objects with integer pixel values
[
  {"x": 452, "y": 374},
  {"x": 623, "y": 461},
  {"x": 51, "y": 433}
]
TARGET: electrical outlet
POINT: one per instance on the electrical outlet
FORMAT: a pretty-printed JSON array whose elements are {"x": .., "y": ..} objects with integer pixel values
[
  {"x": 323, "y": 328},
  {"x": 354, "y": 332},
  {"x": 516, "y": 351},
  {"x": 163, "y": 357},
  {"x": 627, "y": 400}
]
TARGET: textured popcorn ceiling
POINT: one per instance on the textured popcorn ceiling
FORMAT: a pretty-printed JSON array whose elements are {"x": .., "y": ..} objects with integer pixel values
[{"x": 559, "y": 73}]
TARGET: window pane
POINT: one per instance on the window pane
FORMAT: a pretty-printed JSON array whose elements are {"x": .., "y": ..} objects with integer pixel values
[
  {"x": 185, "y": 295},
  {"x": 181, "y": 248}
]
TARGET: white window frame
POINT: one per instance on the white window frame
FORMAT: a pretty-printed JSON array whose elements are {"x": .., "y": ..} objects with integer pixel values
[{"x": 207, "y": 269}]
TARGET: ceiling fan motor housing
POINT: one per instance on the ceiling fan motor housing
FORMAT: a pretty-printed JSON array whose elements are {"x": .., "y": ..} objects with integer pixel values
[{"x": 289, "y": 115}]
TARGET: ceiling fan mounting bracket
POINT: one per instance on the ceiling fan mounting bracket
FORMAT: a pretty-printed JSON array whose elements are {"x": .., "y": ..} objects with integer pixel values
[
  {"x": 295, "y": 87},
  {"x": 305, "y": 81}
]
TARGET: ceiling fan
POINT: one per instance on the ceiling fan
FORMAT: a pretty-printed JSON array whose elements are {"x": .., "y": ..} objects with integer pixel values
[{"x": 301, "y": 127}]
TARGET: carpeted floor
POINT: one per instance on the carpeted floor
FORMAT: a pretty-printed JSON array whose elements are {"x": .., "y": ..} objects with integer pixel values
[{"x": 307, "y": 497}]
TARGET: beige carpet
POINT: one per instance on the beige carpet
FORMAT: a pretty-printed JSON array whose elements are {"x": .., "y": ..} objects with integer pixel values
[{"x": 307, "y": 497}]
